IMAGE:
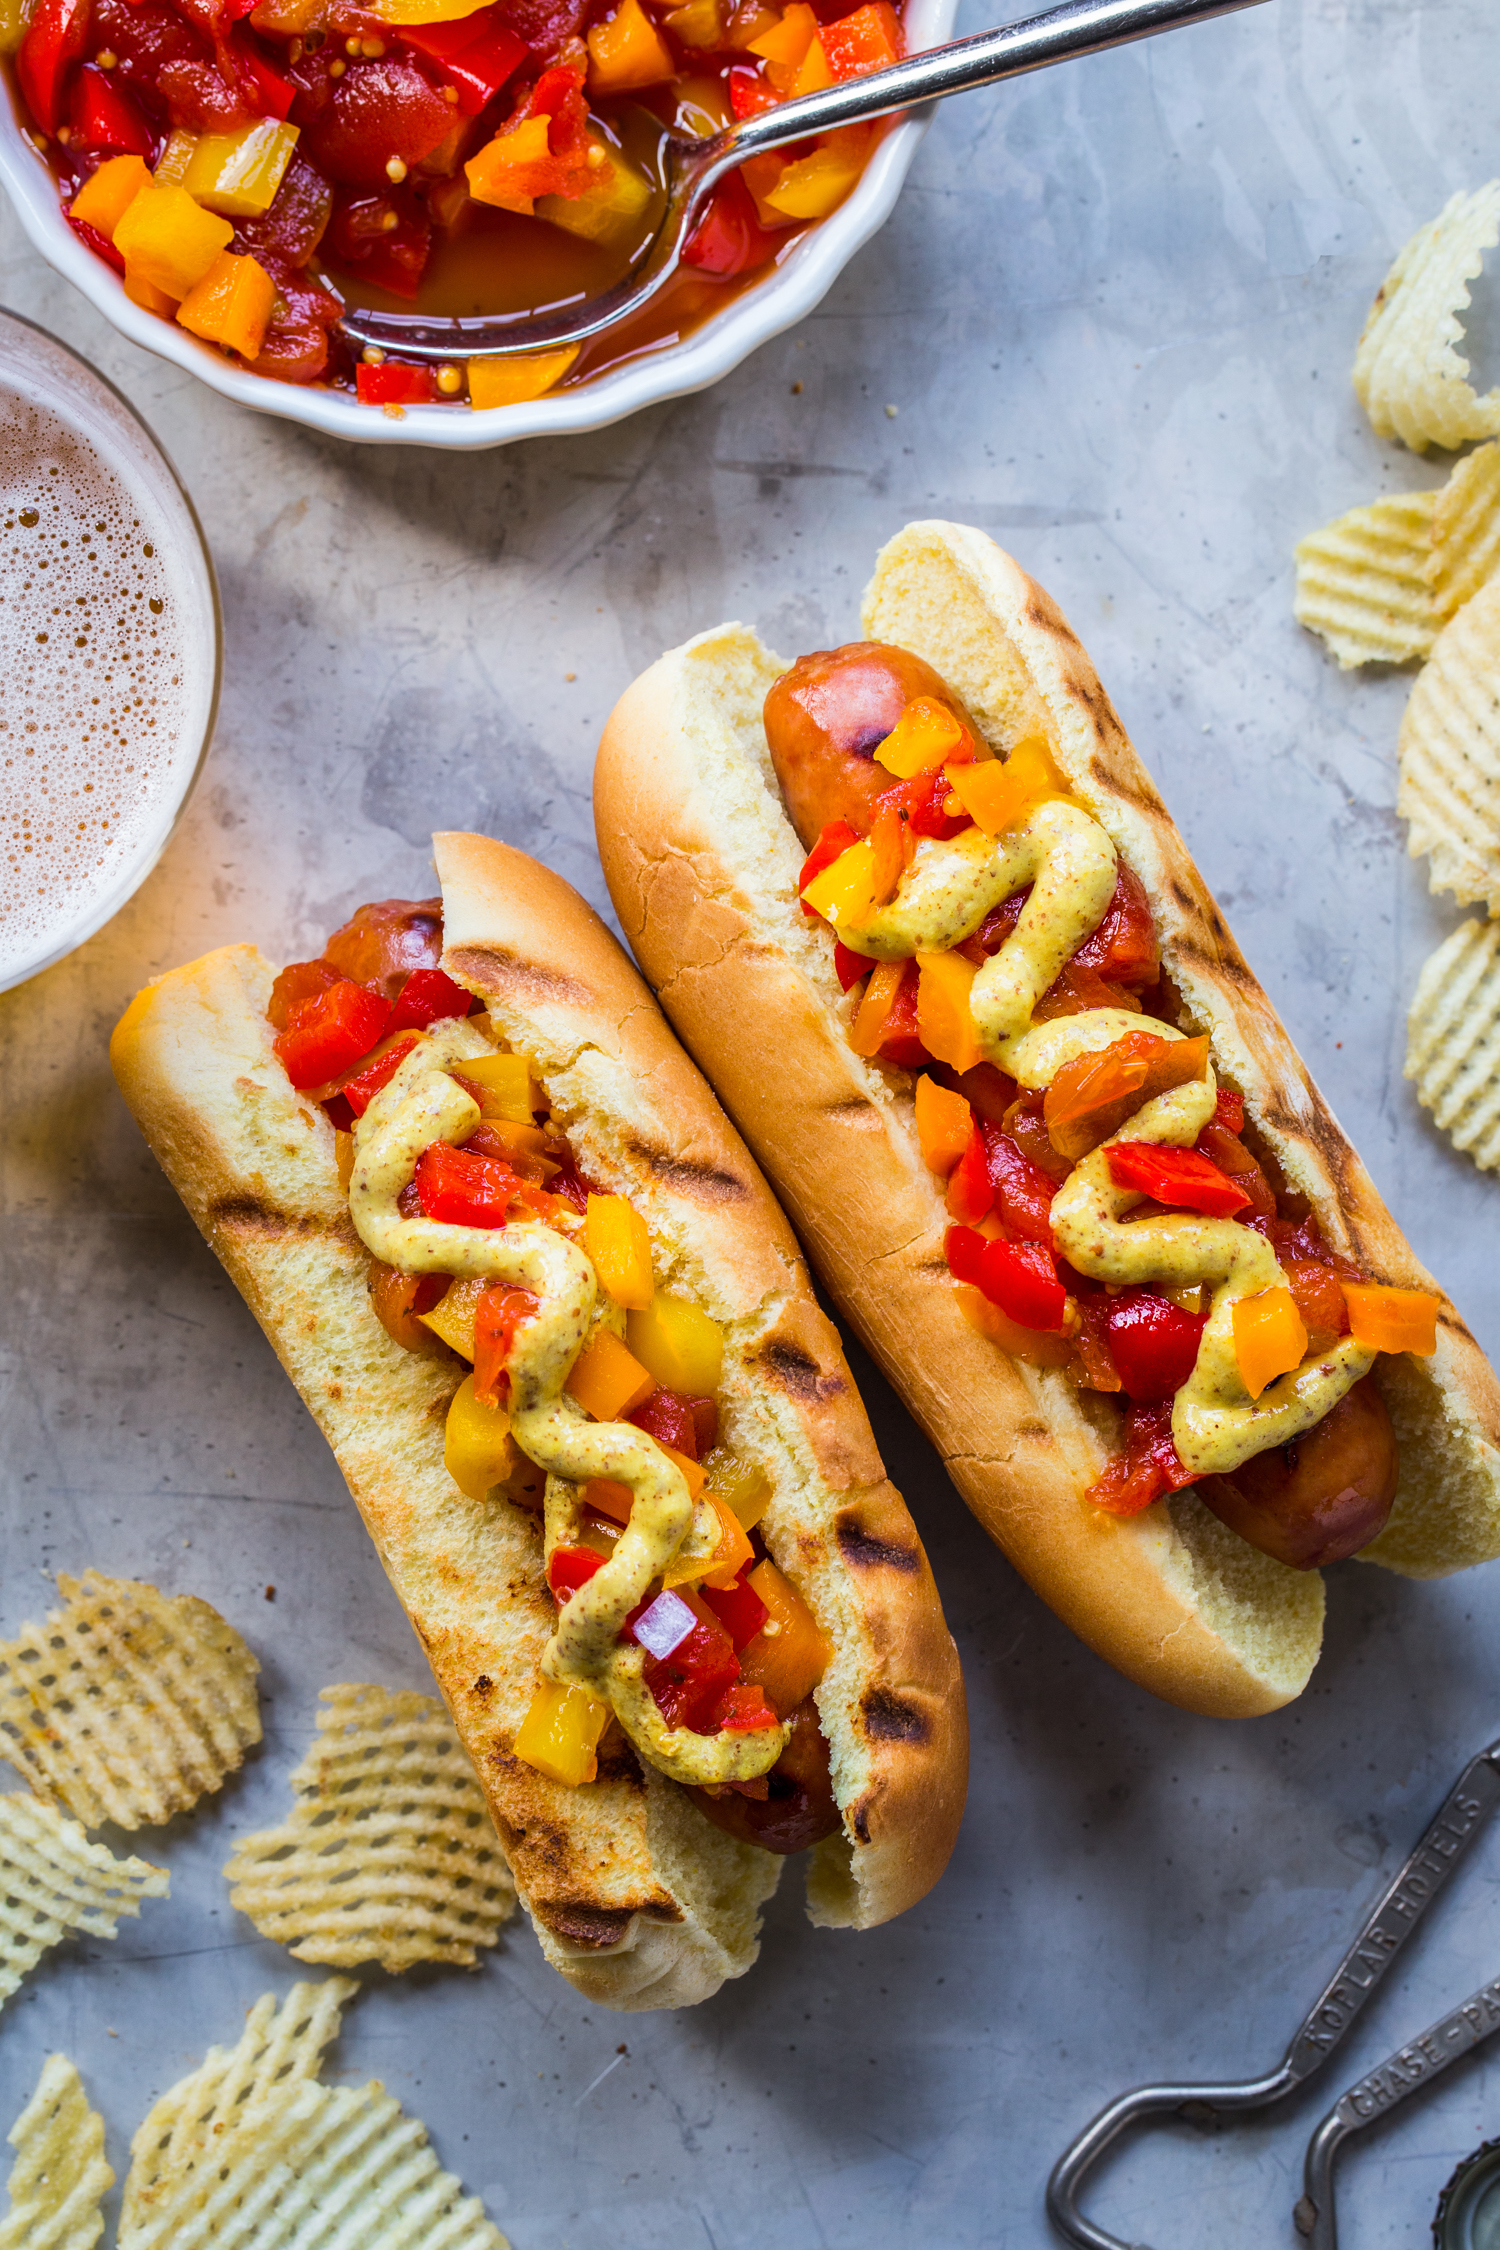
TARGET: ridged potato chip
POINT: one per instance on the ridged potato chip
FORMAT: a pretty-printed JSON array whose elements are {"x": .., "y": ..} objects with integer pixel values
[
  {"x": 1407, "y": 372},
  {"x": 60, "y": 2176},
  {"x": 53, "y": 1881},
  {"x": 1363, "y": 582},
  {"x": 1449, "y": 752},
  {"x": 1453, "y": 1040},
  {"x": 389, "y": 1853},
  {"x": 130, "y": 1704},
  {"x": 250, "y": 2152},
  {"x": 1466, "y": 531}
]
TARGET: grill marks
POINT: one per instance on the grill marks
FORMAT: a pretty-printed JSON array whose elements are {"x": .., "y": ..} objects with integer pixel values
[
  {"x": 889, "y": 1717},
  {"x": 863, "y": 1550},
  {"x": 502, "y": 975},
  {"x": 701, "y": 1181},
  {"x": 797, "y": 1373}
]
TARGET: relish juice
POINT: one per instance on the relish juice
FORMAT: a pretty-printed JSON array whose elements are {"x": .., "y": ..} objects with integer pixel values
[{"x": 109, "y": 651}]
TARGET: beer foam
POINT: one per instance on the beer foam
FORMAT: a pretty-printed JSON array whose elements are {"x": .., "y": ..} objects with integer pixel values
[{"x": 105, "y": 686}]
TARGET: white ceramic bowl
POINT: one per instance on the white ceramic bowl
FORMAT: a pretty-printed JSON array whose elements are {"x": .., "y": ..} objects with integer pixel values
[{"x": 788, "y": 292}]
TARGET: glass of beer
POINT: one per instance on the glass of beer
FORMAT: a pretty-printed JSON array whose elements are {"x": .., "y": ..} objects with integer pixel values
[{"x": 111, "y": 647}]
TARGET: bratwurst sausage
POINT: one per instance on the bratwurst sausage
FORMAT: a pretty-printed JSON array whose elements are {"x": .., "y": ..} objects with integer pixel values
[
  {"x": 798, "y": 1808},
  {"x": 824, "y": 718},
  {"x": 1322, "y": 1497}
]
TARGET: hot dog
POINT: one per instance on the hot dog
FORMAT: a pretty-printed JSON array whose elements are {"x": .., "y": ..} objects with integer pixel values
[
  {"x": 561, "y": 1341},
  {"x": 919, "y": 913}
]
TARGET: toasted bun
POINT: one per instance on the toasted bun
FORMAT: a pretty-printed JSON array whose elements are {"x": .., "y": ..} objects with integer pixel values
[
  {"x": 636, "y": 1898},
  {"x": 702, "y": 865}
]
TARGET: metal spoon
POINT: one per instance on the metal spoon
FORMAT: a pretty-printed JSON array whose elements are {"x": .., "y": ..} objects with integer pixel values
[{"x": 692, "y": 167}]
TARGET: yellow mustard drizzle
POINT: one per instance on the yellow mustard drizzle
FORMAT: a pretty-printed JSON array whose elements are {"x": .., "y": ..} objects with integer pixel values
[
  {"x": 1069, "y": 860},
  {"x": 420, "y": 1105}
]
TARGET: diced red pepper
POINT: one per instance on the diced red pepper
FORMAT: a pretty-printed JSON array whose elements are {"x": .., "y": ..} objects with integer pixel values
[
  {"x": 1148, "y": 1466},
  {"x": 478, "y": 53},
  {"x": 870, "y": 39},
  {"x": 1123, "y": 949},
  {"x": 300, "y": 980},
  {"x": 397, "y": 383},
  {"x": 326, "y": 1035},
  {"x": 99, "y": 243},
  {"x": 497, "y": 1316},
  {"x": 970, "y": 1192},
  {"x": 995, "y": 928},
  {"x": 848, "y": 967},
  {"x": 568, "y": 1568},
  {"x": 463, "y": 1190},
  {"x": 834, "y": 840},
  {"x": 55, "y": 40},
  {"x": 668, "y": 1417},
  {"x": 1152, "y": 1342},
  {"x": 1178, "y": 1177},
  {"x": 729, "y": 238},
  {"x": 690, "y": 1683},
  {"x": 1228, "y": 1151},
  {"x": 739, "y": 1610},
  {"x": 107, "y": 117},
  {"x": 1229, "y": 1110},
  {"x": 1023, "y": 1192},
  {"x": 919, "y": 803},
  {"x": 388, "y": 235},
  {"x": 1022, "y": 1279},
  {"x": 750, "y": 91},
  {"x": 902, "y": 1043},
  {"x": 268, "y": 91},
  {"x": 361, "y": 1090},
  {"x": 377, "y": 110},
  {"x": 428, "y": 996},
  {"x": 744, "y": 1710},
  {"x": 963, "y": 1247}
]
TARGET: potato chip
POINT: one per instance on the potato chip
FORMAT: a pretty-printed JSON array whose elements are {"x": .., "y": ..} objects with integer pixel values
[
  {"x": 1453, "y": 1040},
  {"x": 389, "y": 1853},
  {"x": 1363, "y": 585},
  {"x": 1449, "y": 787},
  {"x": 1409, "y": 377},
  {"x": 60, "y": 2176},
  {"x": 128, "y": 1705},
  {"x": 54, "y": 1881},
  {"x": 1466, "y": 531}
]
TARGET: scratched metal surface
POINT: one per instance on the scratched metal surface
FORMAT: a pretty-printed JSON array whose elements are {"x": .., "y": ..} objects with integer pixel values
[{"x": 1115, "y": 312}]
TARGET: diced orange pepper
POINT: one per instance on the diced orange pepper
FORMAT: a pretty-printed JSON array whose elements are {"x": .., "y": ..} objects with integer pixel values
[
  {"x": 511, "y": 171},
  {"x": 944, "y": 1123},
  {"x": 615, "y": 1500},
  {"x": 146, "y": 294},
  {"x": 874, "y": 1012},
  {"x": 1269, "y": 1338},
  {"x": 1092, "y": 1096},
  {"x": 1392, "y": 1320},
  {"x": 728, "y": 1559},
  {"x": 847, "y": 893},
  {"x": 626, "y": 52},
  {"x": 925, "y": 734},
  {"x": 168, "y": 240},
  {"x": 813, "y": 73},
  {"x": 870, "y": 39},
  {"x": 560, "y": 1733},
  {"x": 788, "y": 1663},
  {"x": 103, "y": 201},
  {"x": 997, "y": 796},
  {"x": 618, "y": 1245},
  {"x": 944, "y": 1018},
  {"x": 231, "y": 305},
  {"x": 787, "y": 42},
  {"x": 512, "y": 382},
  {"x": 607, "y": 1381},
  {"x": 892, "y": 847}
]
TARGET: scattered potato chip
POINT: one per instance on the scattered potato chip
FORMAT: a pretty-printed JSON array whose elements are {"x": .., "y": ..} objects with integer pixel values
[
  {"x": 389, "y": 1853},
  {"x": 250, "y": 2152},
  {"x": 54, "y": 1881},
  {"x": 1466, "y": 531},
  {"x": 60, "y": 2176},
  {"x": 1409, "y": 377},
  {"x": 1362, "y": 582},
  {"x": 1449, "y": 787},
  {"x": 130, "y": 1704},
  {"x": 1453, "y": 1040}
]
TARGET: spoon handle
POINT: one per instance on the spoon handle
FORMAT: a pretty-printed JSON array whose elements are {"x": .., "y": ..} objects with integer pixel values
[{"x": 1079, "y": 27}]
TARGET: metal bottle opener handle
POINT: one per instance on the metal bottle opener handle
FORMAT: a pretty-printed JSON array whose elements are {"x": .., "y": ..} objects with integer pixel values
[{"x": 1398, "y": 1914}]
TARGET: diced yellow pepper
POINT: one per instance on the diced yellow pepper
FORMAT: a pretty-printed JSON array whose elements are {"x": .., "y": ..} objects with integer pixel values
[
  {"x": 231, "y": 305},
  {"x": 169, "y": 241},
  {"x": 1269, "y": 1338},
  {"x": 606, "y": 1381},
  {"x": 508, "y": 1082},
  {"x": 945, "y": 1020},
  {"x": 698, "y": 23},
  {"x": 238, "y": 174},
  {"x": 103, "y": 201},
  {"x": 175, "y": 158},
  {"x": 814, "y": 185},
  {"x": 495, "y": 176},
  {"x": 617, "y": 1243},
  {"x": 925, "y": 734},
  {"x": 944, "y": 1125},
  {"x": 997, "y": 796},
  {"x": 478, "y": 1450},
  {"x": 848, "y": 891},
  {"x": 511, "y": 382},
  {"x": 1392, "y": 1320},
  {"x": 146, "y": 294},
  {"x": 425, "y": 11},
  {"x": 612, "y": 204},
  {"x": 679, "y": 1346},
  {"x": 560, "y": 1733},
  {"x": 742, "y": 1485},
  {"x": 627, "y": 52},
  {"x": 452, "y": 1317},
  {"x": 343, "y": 1156},
  {"x": 15, "y": 17},
  {"x": 787, "y": 42}
]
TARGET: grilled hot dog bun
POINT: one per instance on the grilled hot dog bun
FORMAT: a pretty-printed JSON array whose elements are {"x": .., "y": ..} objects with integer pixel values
[
  {"x": 703, "y": 865},
  {"x": 635, "y": 1896}
]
